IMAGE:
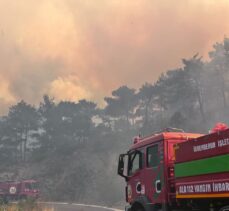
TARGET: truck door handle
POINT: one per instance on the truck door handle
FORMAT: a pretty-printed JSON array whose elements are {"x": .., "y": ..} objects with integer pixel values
[{"x": 158, "y": 186}]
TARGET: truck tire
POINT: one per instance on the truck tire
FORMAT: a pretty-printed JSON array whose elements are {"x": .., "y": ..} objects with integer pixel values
[
  {"x": 226, "y": 208},
  {"x": 23, "y": 198},
  {"x": 3, "y": 200},
  {"x": 137, "y": 207}
]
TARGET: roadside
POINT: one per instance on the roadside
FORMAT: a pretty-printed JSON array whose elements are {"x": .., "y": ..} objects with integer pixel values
[{"x": 53, "y": 206}]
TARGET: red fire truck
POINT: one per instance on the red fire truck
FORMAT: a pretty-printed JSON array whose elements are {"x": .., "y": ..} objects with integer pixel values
[
  {"x": 177, "y": 171},
  {"x": 16, "y": 190}
]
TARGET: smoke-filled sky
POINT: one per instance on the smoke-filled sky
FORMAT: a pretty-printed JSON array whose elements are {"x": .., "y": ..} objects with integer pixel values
[{"x": 73, "y": 49}]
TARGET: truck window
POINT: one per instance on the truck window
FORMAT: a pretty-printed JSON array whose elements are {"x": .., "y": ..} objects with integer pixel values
[
  {"x": 34, "y": 185},
  {"x": 152, "y": 156},
  {"x": 135, "y": 162},
  {"x": 28, "y": 186}
]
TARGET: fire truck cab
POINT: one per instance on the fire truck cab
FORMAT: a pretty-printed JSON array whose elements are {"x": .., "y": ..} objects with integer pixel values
[
  {"x": 16, "y": 190},
  {"x": 148, "y": 168}
]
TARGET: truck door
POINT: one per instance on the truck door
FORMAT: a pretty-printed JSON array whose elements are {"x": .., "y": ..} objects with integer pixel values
[
  {"x": 135, "y": 166},
  {"x": 154, "y": 173}
]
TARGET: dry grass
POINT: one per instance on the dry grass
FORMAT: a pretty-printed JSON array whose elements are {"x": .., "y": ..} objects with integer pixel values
[{"x": 24, "y": 207}]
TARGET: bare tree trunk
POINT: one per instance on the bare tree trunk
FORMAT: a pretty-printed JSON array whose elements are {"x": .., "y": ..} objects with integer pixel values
[
  {"x": 223, "y": 92},
  {"x": 200, "y": 99},
  {"x": 146, "y": 120},
  {"x": 18, "y": 151},
  {"x": 25, "y": 143},
  {"x": 222, "y": 87},
  {"x": 22, "y": 143},
  {"x": 147, "y": 112},
  {"x": 201, "y": 106}
]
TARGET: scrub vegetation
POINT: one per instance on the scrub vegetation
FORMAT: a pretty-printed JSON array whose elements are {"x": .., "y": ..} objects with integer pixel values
[
  {"x": 71, "y": 148},
  {"x": 28, "y": 205}
]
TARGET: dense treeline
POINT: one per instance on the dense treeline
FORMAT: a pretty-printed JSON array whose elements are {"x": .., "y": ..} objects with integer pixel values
[{"x": 72, "y": 147}]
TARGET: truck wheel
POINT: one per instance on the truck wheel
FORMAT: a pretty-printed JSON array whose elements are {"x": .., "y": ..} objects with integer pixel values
[
  {"x": 2, "y": 200},
  {"x": 137, "y": 207},
  {"x": 23, "y": 198},
  {"x": 226, "y": 208},
  {"x": 6, "y": 200}
]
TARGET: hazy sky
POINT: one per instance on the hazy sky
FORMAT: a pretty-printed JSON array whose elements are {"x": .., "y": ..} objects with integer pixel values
[{"x": 72, "y": 49}]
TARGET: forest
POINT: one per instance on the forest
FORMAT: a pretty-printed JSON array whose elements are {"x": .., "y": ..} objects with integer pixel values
[{"x": 71, "y": 148}]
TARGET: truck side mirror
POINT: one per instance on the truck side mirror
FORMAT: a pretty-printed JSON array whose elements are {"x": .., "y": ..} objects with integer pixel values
[{"x": 121, "y": 165}]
